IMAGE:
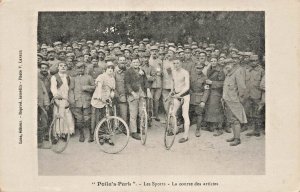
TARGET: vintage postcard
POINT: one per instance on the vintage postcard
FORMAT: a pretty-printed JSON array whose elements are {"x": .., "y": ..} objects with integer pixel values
[{"x": 149, "y": 96}]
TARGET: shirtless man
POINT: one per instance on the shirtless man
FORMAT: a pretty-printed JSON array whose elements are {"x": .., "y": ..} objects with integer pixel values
[{"x": 181, "y": 86}]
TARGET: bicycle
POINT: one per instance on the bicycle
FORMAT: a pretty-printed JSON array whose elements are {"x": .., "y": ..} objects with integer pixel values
[
  {"x": 171, "y": 125},
  {"x": 112, "y": 132},
  {"x": 144, "y": 120},
  {"x": 59, "y": 133}
]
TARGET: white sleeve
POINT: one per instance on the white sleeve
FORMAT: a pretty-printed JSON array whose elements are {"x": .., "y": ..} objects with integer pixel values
[{"x": 53, "y": 86}]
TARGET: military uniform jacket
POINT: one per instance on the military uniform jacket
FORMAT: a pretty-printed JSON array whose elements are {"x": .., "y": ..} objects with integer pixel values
[
  {"x": 120, "y": 91},
  {"x": 217, "y": 77},
  {"x": 198, "y": 92},
  {"x": 81, "y": 90},
  {"x": 234, "y": 89},
  {"x": 253, "y": 80}
]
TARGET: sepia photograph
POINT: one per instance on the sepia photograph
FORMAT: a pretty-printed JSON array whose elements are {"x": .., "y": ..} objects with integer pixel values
[{"x": 151, "y": 93}]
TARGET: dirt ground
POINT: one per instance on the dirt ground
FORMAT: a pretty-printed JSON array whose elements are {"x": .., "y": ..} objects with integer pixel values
[{"x": 205, "y": 155}]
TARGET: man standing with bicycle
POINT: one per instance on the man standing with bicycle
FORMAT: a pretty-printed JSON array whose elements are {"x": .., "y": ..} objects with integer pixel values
[
  {"x": 181, "y": 88},
  {"x": 81, "y": 89},
  {"x": 136, "y": 87}
]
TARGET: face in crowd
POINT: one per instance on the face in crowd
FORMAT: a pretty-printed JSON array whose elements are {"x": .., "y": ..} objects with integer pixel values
[
  {"x": 122, "y": 63},
  {"x": 62, "y": 56},
  {"x": 187, "y": 54},
  {"x": 69, "y": 62},
  {"x": 170, "y": 55},
  {"x": 202, "y": 57},
  {"x": 62, "y": 67},
  {"x": 177, "y": 64},
  {"x": 51, "y": 55},
  {"x": 44, "y": 51},
  {"x": 154, "y": 54},
  {"x": 135, "y": 63},
  {"x": 214, "y": 62},
  {"x": 44, "y": 69},
  {"x": 94, "y": 62},
  {"x": 110, "y": 68},
  {"x": 80, "y": 70}
]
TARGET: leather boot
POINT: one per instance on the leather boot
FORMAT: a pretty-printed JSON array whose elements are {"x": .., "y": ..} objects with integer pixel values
[
  {"x": 255, "y": 132},
  {"x": 236, "y": 132},
  {"x": 235, "y": 142},
  {"x": 234, "y": 135},
  {"x": 199, "y": 121},
  {"x": 81, "y": 132},
  {"x": 155, "y": 110},
  {"x": 91, "y": 138}
]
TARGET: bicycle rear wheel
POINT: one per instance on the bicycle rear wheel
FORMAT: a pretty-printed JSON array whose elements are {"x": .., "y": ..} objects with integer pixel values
[
  {"x": 170, "y": 131},
  {"x": 112, "y": 134},
  {"x": 58, "y": 137},
  {"x": 143, "y": 126}
]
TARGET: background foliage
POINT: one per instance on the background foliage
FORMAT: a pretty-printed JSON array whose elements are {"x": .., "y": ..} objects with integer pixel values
[{"x": 245, "y": 29}]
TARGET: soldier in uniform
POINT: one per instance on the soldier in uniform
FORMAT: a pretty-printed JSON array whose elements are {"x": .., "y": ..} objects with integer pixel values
[
  {"x": 94, "y": 70},
  {"x": 199, "y": 94},
  {"x": 214, "y": 113},
  {"x": 120, "y": 92},
  {"x": 234, "y": 91},
  {"x": 81, "y": 89},
  {"x": 254, "y": 76}
]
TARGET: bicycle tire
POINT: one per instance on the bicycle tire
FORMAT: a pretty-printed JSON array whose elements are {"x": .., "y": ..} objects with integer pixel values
[
  {"x": 170, "y": 131},
  {"x": 58, "y": 142},
  {"x": 120, "y": 132},
  {"x": 143, "y": 126}
]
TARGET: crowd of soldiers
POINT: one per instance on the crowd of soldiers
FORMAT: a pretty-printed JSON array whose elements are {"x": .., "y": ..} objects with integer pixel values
[{"x": 222, "y": 87}]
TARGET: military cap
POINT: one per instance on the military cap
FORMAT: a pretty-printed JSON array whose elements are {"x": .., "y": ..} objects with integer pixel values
[
  {"x": 194, "y": 43},
  {"x": 228, "y": 61},
  {"x": 80, "y": 64},
  {"x": 141, "y": 49},
  {"x": 234, "y": 55},
  {"x": 202, "y": 51},
  {"x": 96, "y": 43},
  {"x": 208, "y": 49},
  {"x": 235, "y": 50},
  {"x": 146, "y": 54},
  {"x": 214, "y": 55},
  {"x": 61, "y": 50},
  {"x": 110, "y": 42},
  {"x": 70, "y": 55},
  {"x": 135, "y": 47},
  {"x": 254, "y": 58},
  {"x": 171, "y": 45},
  {"x": 161, "y": 45},
  {"x": 188, "y": 50},
  {"x": 117, "y": 45},
  {"x": 79, "y": 55},
  {"x": 44, "y": 63},
  {"x": 75, "y": 47},
  {"x": 83, "y": 40},
  {"x": 109, "y": 58},
  {"x": 146, "y": 40},
  {"x": 102, "y": 44},
  {"x": 222, "y": 56},
  {"x": 172, "y": 49},
  {"x": 40, "y": 55},
  {"x": 194, "y": 47},
  {"x": 79, "y": 43},
  {"x": 44, "y": 46},
  {"x": 154, "y": 47},
  {"x": 204, "y": 45},
  {"x": 248, "y": 54},
  {"x": 180, "y": 50},
  {"x": 128, "y": 48},
  {"x": 161, "y": 52},
  {"x": 118, "y": 53},
  {"x": 57, "y": 43},
  {"x": 179, "y": 46},
  {"x": 142, "y": 42},
  {"x": 212, "y": 45},
  {"x": 198, "y": 50}
]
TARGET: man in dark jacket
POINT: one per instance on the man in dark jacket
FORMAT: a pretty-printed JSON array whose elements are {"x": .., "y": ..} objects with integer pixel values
[{"x": 136, "y": 88}]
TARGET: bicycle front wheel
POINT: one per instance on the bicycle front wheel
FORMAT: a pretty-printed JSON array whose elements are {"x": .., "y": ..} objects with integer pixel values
[
  {"x": 143, "y": 126},
  {"x": 59, "y": 135},
  {"x": 170, "y": 131},
  {"x": 112, "y": 134}
]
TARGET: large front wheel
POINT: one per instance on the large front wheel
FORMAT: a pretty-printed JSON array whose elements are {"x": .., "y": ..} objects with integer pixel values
[
  {"x": 144, "y": 126},
  {"x": 59, "y": 135},
  {"x": 170, "y": 131},
  {"x": 112, "y": 134}
]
